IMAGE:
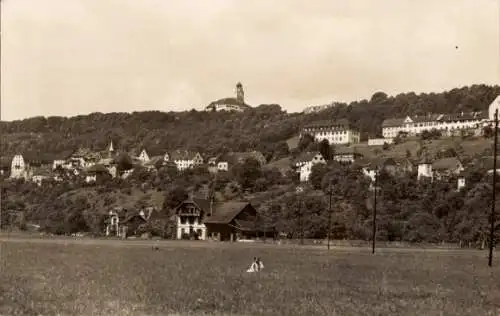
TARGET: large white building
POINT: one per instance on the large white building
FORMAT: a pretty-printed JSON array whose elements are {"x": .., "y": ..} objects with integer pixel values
[
  {"x": 336, "y": 132},
  {"x": 230, "y": 104},
  {"x": 415, "y": 125}
]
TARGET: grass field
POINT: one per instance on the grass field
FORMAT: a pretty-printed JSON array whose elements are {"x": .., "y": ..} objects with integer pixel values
[{"x": 93, "y": 277}]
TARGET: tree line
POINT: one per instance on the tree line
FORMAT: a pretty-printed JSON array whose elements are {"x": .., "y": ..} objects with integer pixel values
[{"x": 265, "y": 128}]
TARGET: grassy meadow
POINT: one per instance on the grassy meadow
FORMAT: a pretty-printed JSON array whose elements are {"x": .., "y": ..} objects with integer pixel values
[{"x": 64, "y": 277}]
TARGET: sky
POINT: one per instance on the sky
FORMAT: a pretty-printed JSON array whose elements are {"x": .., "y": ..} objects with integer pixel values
[{"x": 72, "y": 57}]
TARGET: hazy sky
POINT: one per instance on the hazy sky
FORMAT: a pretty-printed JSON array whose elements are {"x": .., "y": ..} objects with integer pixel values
[{"x": 68, "y": 57}]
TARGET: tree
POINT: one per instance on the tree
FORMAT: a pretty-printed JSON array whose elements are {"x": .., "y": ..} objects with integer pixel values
[
  {"x": 174, "y": 197},
  {"x": 325, "y": 150},
  {"x": 124, "y": 162},
  {"x": 488, "y": 132},
  {"x": 247, "y": 173},
  {"x": 318, "y": 171},
  {"x": 305, "y": 142}
]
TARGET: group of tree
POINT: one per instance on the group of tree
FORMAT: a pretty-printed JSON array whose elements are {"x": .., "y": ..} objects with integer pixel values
[
  {"x": 265, "y": 128},
  {"x": 408, "y": 210}
]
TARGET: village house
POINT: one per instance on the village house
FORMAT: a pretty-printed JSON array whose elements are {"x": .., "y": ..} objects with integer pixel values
[
  {"x": 121, "y": 222},
  {"x": 184, "y": 159},
  {"x": 424, "y": 169},
  {"x": 218, "y": 163},
  {"x": 154, "y": 163},
  {"x": 446, "y": 123},
  {"x": 240, "y": 157},
  {"x": 495, "y": 105},
  {"x": 440, "y": 168},
  {"x": 143, "y": 156},
  {"x": 96, "y": 172},
  {"x": 230, "y": 104},
  {"x": 225, "y": 221},
  {"x": 283, "y": 165},
  {"x": 346, "y": 155},
  {"x": 336, "y": 132},
  {"x": 373, "y": 166},
  {"x": 305, "y": 162},
  {"x": 19, "y": 168},
  {"x": 447, "y": 167}
]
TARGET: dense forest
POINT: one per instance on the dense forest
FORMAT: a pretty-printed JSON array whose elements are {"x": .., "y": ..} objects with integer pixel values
[{"x": 264, "y": 128}]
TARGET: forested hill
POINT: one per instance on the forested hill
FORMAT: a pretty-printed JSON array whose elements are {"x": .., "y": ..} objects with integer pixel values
[{"x": 264, "y": 128}]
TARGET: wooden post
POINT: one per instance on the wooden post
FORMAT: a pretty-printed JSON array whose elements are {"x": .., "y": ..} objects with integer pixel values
[{"x": 492, "y": 216}]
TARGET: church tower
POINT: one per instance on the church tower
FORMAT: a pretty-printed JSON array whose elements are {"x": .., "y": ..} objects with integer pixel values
[
  {"x": 111, "y": 150},
  {"x": 240, "y": 94}
]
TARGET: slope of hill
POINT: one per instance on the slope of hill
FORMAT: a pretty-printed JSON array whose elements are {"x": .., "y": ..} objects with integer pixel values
[{"x": 265, "y": 128}]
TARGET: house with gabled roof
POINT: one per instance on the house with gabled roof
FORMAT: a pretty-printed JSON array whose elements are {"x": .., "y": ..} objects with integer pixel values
[
  {"x": 370, "y": 167},
  {"x": 96, "y": 172},
  {"x": 446, "y": 167},
  {"x": 218, "y": 163},
  {"x": 304, "y": 163},
  {"x": 184, "y": 159},
  {"x": 346, "y": 155},
  {"x": 203, "y": 219},
  {"x": 240, "y": 157}
]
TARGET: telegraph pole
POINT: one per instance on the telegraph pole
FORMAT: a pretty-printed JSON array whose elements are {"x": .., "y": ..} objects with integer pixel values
[
  {"x": 492, "y": 217},
  {"x": 330, "y": 217},
  {"x": 374, "y": 228},
  {"x": 301, "y": 225}
]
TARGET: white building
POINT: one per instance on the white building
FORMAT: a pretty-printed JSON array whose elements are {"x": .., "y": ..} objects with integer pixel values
[
  {"x": 305, "y": 163},
  {"x": 415, "y": 125},
  {"x": 189, "y": 218},
  {"x": 19, "y": 168},
  {"x": 379, "y": 141},
  {"x": 143, "y": 156},
  {"x": 184, "y": 159},
  {"x": 424, "y": 170},
  {"x": 495, "y": 105},
  {"x": 336, "y": 132},
  {"x": 230, "y": 104}
]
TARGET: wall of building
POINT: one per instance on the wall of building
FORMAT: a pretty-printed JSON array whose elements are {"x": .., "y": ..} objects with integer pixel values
[
  {"x": 418, "y": 128},
  {"x": 335, "y": 136},
  {"x": 379, "y": 141},
  {"x": 185, "y": 228}
]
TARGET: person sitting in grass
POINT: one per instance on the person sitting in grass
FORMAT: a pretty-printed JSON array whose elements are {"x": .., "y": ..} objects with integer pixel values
[{"x": 256, "y": 265}]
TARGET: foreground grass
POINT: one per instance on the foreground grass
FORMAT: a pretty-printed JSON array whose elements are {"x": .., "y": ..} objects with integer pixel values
[{"x": 100, "y": 279}]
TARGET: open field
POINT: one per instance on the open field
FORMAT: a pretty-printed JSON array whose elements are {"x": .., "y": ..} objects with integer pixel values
[{"x": 106, "y": 277}]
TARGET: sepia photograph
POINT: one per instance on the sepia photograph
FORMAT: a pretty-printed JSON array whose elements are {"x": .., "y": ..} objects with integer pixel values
[{"x": 230, "y": 157}]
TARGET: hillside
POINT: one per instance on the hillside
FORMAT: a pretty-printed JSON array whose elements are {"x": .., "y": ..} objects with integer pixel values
[{"x": 265, "y": 128}]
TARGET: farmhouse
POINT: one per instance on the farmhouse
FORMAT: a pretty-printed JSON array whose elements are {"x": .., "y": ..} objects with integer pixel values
[
  {"x": 305, "y": 162},
  {"x": 202, "y": 219},
  {"x": 335, "y": 132}
]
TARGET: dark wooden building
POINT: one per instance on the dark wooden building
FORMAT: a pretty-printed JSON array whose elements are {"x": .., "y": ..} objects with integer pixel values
[{"x": 225, "y": 221}]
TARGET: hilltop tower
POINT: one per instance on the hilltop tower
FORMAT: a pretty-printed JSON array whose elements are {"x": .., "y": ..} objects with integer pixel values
[{"x": 240, "y": 94}]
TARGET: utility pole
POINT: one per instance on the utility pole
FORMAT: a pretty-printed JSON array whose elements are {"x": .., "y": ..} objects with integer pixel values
[
  {"x": 301, "y": 225},
  {"x": 330, "y": 216},
  {"x": 374, "y": 228},
  {"x": 492, "y": 217}
]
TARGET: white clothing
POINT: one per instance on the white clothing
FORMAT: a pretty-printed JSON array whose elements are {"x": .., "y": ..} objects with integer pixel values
[{"x": 256, "y": 267}]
